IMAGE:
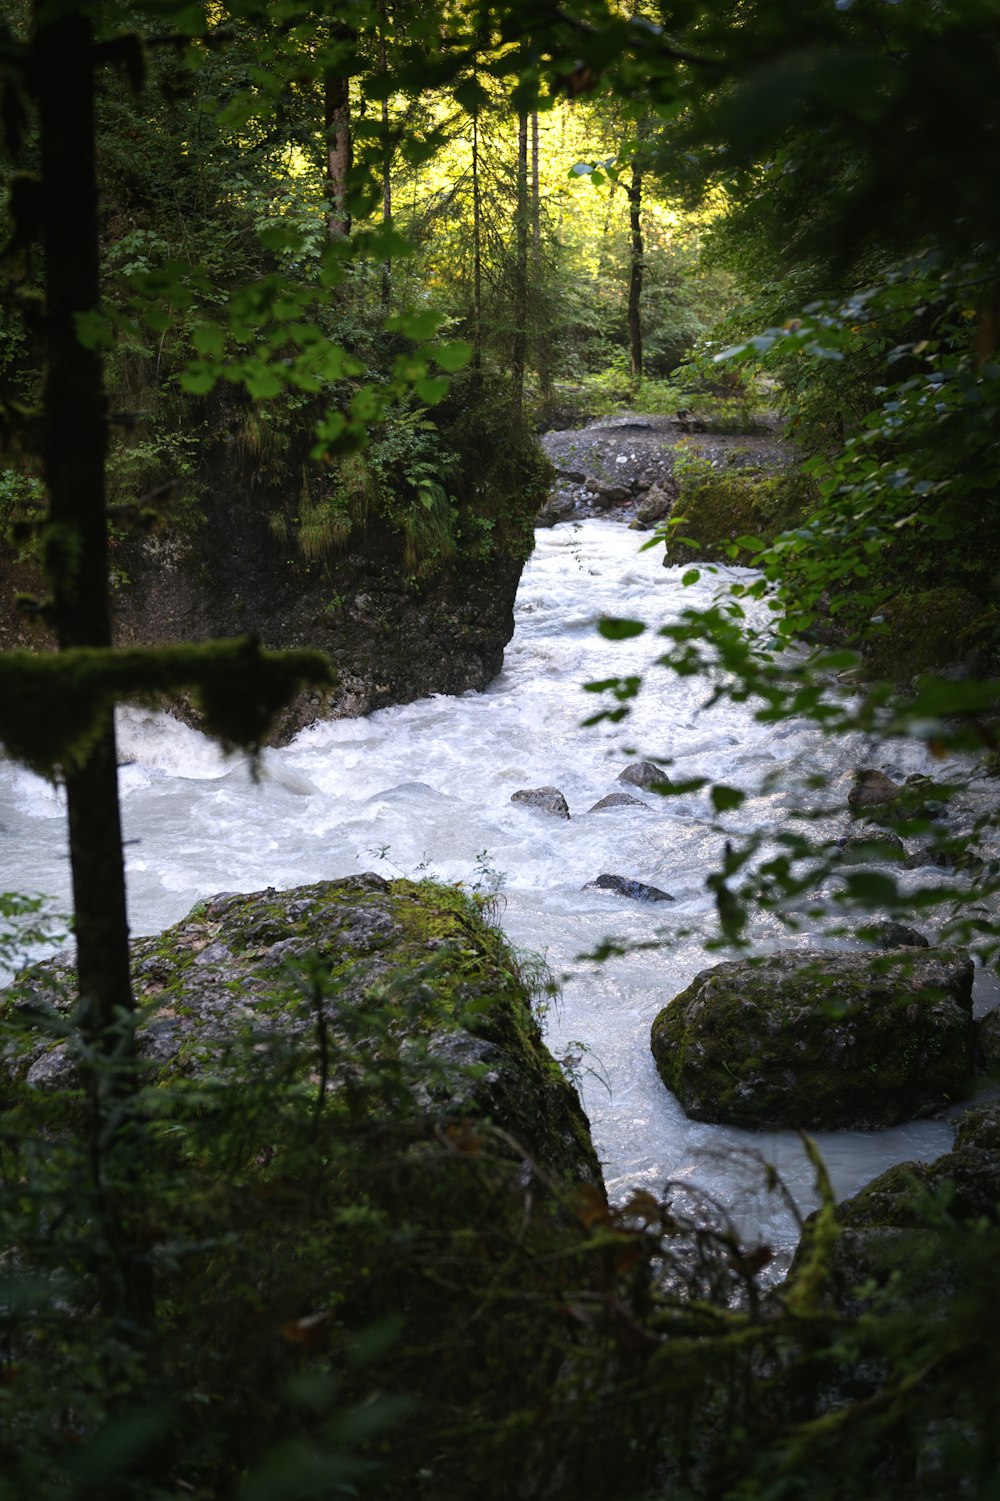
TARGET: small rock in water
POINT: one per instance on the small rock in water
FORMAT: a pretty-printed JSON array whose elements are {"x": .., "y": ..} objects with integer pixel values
[
  {"x": 872, "y": 789},
  {"x": 897, "y": 935},
  {"x": 619, "y": 800},
  {"x": 644, "y": 774},
  {"x": 638, "y": 891},
  {"x": 656, "y": 505},
  {"x": 545, "y": 799},
  {"x": 872, "y": 843}
]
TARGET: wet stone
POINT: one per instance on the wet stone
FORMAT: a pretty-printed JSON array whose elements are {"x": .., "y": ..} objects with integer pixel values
[
  {"x": 619, "y": 800},
  {"x": 544, "y": 799},
  {"x": 636, "y": 891}
]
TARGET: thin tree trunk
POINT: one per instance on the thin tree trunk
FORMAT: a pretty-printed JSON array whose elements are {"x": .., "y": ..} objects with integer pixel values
[
  {"x": 339, "y": 153},
  {"x": 386, "y": 282},
  {"x": 544, "y": 372},
  {"x": 636, "y": 266},
  {"x": 536, "y": 204},
  {"x": 477, "y": 251},
  {"x": 521, "y": 225}
]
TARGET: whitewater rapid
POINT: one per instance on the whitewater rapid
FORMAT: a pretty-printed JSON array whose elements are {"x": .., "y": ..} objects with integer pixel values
[{"x": 425, "y": 788}]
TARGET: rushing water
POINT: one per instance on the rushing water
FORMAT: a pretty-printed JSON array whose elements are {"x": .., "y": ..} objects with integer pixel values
[{"x": 425, "y": 788}]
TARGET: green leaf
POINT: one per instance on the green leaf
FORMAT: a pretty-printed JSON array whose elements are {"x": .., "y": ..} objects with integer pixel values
[
  {"x": 94, "y": 329},
  {"x": 279, "y": 236},
  {"x": 691, "y": 577},
  {"x": 423, "y": 325},
  {"x": 871, "y": 888},
  {"x": 156, "y": 319},
  {"x": 725, "y": 798},
  {"x": 199, "y": 377},
  {"x": 431, "y": 389},
  {"x": 209, "y": 339},
  {"x": 409, "y": 367},
  {"x": 453, "y": 356},
  {"x": 471, "y": 95},
  {"x": 613, "y": 629},
  {"x": 262, "y": 381}
]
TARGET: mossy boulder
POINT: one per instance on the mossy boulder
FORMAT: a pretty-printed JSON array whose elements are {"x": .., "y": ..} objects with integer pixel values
[
  {"x": 820, "y": 1040},
  {"x": 404, "y": 976},
  {"x": 355, "y": 1171},
  {"x": 716, "y": 506},
  {"x": 923, "y": 630},
  {"x": 903, "y": 1231}
]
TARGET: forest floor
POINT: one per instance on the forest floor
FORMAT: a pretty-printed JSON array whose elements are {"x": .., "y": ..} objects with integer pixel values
[{"x": 611, "y": 466}]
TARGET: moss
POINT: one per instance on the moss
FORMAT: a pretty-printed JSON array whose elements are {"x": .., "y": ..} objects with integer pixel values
[
  {"x": 404, "y": 971},
  {"x": 819, "y": 1041},
  {"x": 305, "y": 1225},
  {"x": 52, "y": 707},
  {"x": 716, "y": 506},
  {"x": 923, "y": 630}
]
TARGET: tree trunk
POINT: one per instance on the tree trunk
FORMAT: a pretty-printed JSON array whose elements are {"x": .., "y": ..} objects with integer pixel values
[
  {"x": 544, "y": 370},
  {"x": 386, "y": 280},
  {"x": 339, "y": 153},
  {"x": 477, "y": 251},
  {"x": 74, "y": 451},
  {"x": 74, "y": 448},
  {"x": 635, "y": 269},
  {"x": 521, "y": 226}
]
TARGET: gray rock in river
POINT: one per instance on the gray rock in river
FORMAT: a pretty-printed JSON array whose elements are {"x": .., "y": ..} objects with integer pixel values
[
  {"x": 644, "y": 774},
  {"x": 820, "y": 1040},
  {"x": 872, "y": 789},
  {"x": 898, "y": 935},
  {"x": 545, "y": 799},
  {"x": 655, "y": 506},
  {"x": 619, "y": 800},
  {"x": 988, "y": 1042},
  {"x": 637, "y": 891}
]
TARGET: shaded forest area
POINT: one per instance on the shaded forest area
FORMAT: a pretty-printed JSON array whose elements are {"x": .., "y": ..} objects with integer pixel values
[{"x": 355, "y": 256}]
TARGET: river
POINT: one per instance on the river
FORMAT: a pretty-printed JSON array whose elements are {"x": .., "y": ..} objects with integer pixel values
[{"x": 425, "y": 788}]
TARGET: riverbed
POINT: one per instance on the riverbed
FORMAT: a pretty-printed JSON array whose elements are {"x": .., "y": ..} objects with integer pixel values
[{"x": 425, "y": 789}]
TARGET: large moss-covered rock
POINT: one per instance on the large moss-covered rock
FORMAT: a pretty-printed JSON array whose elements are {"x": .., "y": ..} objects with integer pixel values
[
  {"x": 404, "y": 975},
  {"x": 720, "y": 504},
  {"x": 357, "y": 1171},
  {"x": 923, "y": 630},
  {"x": 903, "y": 1230},
  {"x": 820, "y": 1039}
]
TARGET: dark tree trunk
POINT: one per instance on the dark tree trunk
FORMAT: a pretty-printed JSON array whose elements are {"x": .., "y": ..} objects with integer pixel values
[
  {"x": 74, "y": 450},
  {"x": 339, "y": 153},
  {"x": 635, "y": 269},
  {"x": 522, "y": 227},
  {"x": 74, "y": 447}
]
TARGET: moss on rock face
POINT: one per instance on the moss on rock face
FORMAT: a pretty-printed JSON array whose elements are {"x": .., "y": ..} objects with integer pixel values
[
  {"x": 353, "y": 1128},
  {"x": 820, "y": 1040},
  {"x": 901, "y": 1231},
  {"x": 924, "y": 630},
  {"x": 715, "y": 506},
  {"x": 407, "y": 977}
]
